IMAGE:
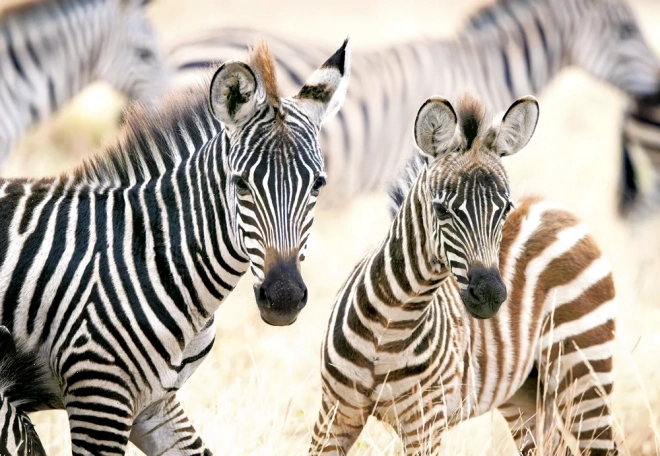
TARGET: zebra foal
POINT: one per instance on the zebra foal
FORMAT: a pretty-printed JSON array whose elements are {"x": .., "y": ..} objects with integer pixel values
[
  {"x": 466, "y": 298},
  {"x": 51, "y": 49},
  {"x": 112, "y": 273}
]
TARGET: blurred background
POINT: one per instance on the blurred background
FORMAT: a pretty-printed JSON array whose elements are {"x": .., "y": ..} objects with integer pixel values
[{"x": 258, "y": 392}]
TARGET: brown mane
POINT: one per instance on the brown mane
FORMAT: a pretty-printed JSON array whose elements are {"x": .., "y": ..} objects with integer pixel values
[
  {"x": 261, "y": 60},
  {"x": 472, "y": 117}
]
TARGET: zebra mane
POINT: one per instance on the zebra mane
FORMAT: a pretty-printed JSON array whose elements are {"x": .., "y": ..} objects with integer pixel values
[
  {"x": 261, "y": 60},
  {"x": 153, "y": 138},
  {"x": 24, "y": 379},
  {"x": 401, "y": 185},
  {"x": 472, "y": 118}
]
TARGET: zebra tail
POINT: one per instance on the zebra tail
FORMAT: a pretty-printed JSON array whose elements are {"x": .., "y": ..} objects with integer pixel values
[{"x": 24, "y": 381}]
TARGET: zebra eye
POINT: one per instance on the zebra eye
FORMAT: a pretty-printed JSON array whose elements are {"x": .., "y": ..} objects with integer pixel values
[
  {"x": 318, "y": 184},
  {"x": 509, "y": 207},
  {"x": 242, "y": 187},
  {"x": 441, "y": 211}
]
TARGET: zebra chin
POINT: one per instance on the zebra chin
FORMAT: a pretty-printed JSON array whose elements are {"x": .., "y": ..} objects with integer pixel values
[
  {"x": 282, "y": 294},
  {"x": 485, "y": 292}
]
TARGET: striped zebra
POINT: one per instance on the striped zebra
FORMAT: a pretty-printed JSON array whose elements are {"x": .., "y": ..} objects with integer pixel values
[
  {"x": 508, "y": 49},
  {"x": 467, "y": 302},
  {"x": 24, "y": 388},
  {"x": 640, "y": 147},
  {"x": 112, "y": 273},
  {"x": 50, "y": 50}
]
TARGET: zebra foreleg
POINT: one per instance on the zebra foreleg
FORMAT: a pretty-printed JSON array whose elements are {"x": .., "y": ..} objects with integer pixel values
[
  {"x": 338, "y": 426},
  {"x": 163, "y": 428}
]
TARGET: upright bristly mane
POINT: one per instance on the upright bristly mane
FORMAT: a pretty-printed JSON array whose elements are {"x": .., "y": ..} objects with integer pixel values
[
  {"x": 472, "y": 118},
  {"x": 151, "y": 142},
  {"x": 261, "y": 60}
]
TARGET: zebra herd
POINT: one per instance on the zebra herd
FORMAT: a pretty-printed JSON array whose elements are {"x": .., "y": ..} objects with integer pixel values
[{"x": 110, "y": 274}]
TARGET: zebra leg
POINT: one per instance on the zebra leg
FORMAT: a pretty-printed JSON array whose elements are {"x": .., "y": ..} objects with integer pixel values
[
  {"x": 580, "y": 379},
  {"x": 100, "y": 420},
  {"x": 520, "y": 413},
  {"x": 338, "y": 426},
  {"x": 163, "y": 428}
]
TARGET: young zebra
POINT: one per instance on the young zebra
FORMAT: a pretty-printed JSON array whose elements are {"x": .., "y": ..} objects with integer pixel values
[
  {"x": 508, "y": 49},
  {"x": 50, "y": 50},
  {"x": 112, "y": 273},
  {"x": 418, "y": 335},
  {"x": 24, "y": 388}
]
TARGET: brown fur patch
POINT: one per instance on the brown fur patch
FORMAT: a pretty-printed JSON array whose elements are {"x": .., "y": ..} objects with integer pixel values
[
  {"x": 12, "y": 6},
  {"x": 261, "y": 60}
]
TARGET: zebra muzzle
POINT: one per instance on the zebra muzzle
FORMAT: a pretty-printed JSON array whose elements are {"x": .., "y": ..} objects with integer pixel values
[
  {"x": 282, "y": 295},
  {"x": 485, "y": 291}
]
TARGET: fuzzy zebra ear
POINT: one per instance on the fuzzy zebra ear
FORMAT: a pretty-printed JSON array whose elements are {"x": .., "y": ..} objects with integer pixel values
[
  {"x": 236, "y": 94},
  {"x": 435, "y": 127},
  {"x": 325, "y": 90},
  {"x": 517, "y": 126}
]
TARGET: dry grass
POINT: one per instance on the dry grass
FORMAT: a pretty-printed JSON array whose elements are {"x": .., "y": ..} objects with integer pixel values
[{"x": 258, "y": 392}]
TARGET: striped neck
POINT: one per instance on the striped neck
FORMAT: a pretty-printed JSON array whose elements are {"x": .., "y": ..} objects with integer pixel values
[{"x": 403, "y": 274}]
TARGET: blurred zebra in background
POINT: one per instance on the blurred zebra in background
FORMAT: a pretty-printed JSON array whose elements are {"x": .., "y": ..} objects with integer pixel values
[
  {"x": 24, "y": 388},
  {"x": 640, "y": 158},
  {"x": 112, "y": 272},
  {"x": 51, "y": 49},
  {"x": 508, "y": 49},
  {"x": 470, "y": 305}
]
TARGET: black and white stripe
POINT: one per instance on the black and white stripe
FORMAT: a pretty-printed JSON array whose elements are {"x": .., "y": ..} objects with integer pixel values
[
  {"x": 508, "y": 49},
  {"x": 530, "y": 332},
  {"x": 24, "y": 388},
  {"x": 112, "y": 273},
  {"x": 51, "y": 50}
]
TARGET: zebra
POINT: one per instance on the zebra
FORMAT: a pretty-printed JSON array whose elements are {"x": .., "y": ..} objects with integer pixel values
[
  {"x": 24, "y": 388},
  {"x": 506, "y": 50},
  {"x": 112, "y": 273},
  {"x": 51, "y": 49},
  {"x": 467, "y": 300},
  {"x": 640, "y": 146}
]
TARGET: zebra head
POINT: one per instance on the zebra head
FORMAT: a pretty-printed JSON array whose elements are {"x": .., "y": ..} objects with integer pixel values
[
  {"x": 468, "y": 190},
  {"x": 606, "y": 41},
  {"x": 130, "y": 58},
  {"x": 276, "y": 168}
]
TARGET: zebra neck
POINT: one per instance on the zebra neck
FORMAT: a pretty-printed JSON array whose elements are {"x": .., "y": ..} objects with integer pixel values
[
  {"x": 51, "y": 49},
  {"x": 401, "y": 278},
  {"x": 188, "y": 207}
]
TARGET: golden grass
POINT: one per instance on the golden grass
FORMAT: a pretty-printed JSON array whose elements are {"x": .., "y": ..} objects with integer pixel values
[{"x": 258, "y": 392}]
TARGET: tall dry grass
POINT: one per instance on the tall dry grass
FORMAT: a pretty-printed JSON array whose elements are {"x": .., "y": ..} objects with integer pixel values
[{"x": 258, "y": 392}]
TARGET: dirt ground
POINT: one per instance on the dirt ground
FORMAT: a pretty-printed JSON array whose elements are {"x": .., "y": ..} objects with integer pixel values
[{"x": 258, "y": 391}]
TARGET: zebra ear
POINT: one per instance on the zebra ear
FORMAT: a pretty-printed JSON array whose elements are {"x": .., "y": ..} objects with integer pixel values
[
  {"x": 325, "y": 90},
  {"x": 435, "y": 127},
  {"x": 517, "y": 127},
  {"x": 236, "y": 94}
]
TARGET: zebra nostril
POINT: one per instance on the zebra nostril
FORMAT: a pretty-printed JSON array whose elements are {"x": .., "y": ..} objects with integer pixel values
[
  {"x": 303, "y": 301},
  {"x": 263, "y": 297},
  {"x": 472, "y": 291}
]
